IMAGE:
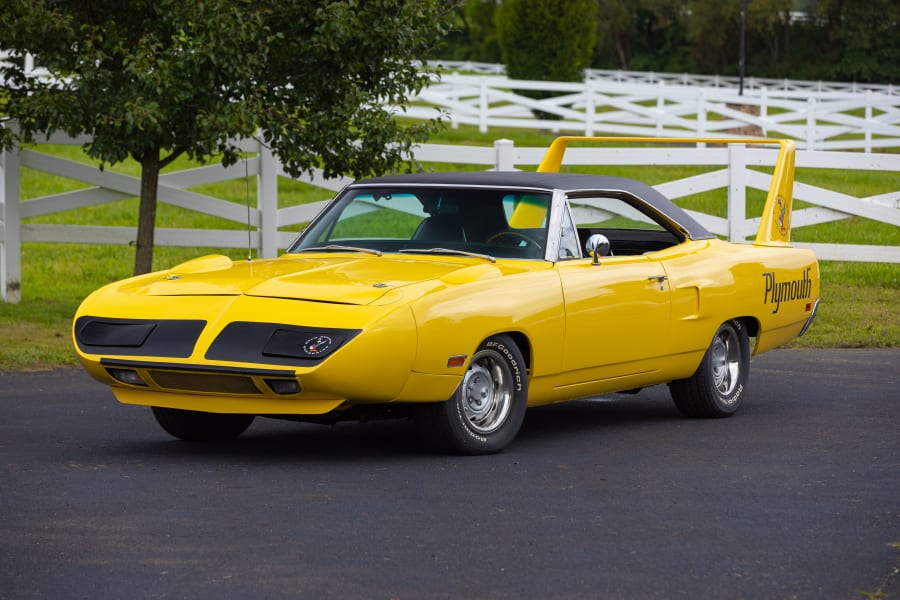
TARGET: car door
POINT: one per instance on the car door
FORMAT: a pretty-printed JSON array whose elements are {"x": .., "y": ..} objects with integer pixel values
[
  {"x": 617, "y": 317},
  {"x": 617, "y": 309}
]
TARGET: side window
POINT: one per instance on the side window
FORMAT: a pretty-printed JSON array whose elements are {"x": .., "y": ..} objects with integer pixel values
[
  {"x": 568, "y": 242},
  {"x": 611, "y": 213},
  {"x": 630, "y": 230}
]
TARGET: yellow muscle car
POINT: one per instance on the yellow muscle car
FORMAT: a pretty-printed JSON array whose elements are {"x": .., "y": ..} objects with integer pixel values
[{"x": 458, "y": 300}]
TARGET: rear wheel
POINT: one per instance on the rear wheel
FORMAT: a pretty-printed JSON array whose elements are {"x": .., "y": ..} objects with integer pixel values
[
  {"x": 486, "y": 410},
  {"x": 717, "y": 386},
  {"x": 196, "y": 426}
]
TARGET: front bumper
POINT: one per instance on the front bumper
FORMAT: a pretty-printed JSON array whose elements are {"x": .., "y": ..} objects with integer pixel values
[{"x": 236, "y": 362}]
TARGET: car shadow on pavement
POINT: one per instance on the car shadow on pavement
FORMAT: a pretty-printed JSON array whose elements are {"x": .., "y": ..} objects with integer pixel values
[{"x": 270, "y": 440}]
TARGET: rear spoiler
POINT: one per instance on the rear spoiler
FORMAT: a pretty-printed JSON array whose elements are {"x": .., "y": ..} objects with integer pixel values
[{"x": 775, "y": 226}]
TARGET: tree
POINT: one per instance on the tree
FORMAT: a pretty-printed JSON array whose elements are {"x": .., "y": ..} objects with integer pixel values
[
  {"x": 479, "y": 16},
  {"x": 546, "y": 40},
  {"x": 866, "y": 35},
  {"x": 472, "y": 35},
  {"x": 641, "y": 34},
  {"x": 158, "y": 79}
]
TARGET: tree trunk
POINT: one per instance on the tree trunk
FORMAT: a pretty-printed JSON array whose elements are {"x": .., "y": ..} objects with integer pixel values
[
  {"x": 620, "y": 51},
  {"x": 143, "y": 254}
]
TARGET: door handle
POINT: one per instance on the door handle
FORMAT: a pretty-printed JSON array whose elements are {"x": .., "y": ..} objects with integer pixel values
[{"x": 658, "y": 278}]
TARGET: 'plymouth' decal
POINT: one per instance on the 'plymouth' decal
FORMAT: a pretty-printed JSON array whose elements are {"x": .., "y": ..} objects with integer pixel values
[{"x": 782, "y": 291}]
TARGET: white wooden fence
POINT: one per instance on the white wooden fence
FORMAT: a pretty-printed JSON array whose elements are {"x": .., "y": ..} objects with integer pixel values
[
  {"x": 815, "y": 120},
  {"x": 816, "y": 115},
  {"x": 775, "y": 87},
  {"x": 267, "y": 221}
]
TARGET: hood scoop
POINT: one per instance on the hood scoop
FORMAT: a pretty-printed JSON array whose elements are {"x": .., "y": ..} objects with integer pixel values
[{"x": 340, "y": 280}]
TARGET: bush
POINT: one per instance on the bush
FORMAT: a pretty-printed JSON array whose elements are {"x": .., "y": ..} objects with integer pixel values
[{"x": 546, "y": 40}]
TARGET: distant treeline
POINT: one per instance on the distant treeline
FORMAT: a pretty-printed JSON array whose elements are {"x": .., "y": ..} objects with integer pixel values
[{"x": 831, "y": 40}]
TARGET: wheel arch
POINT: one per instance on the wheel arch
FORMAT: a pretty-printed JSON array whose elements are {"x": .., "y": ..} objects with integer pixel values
[
  {"x": 753, "y": 328},
  {"x": 751, "y": 323},
  {"x": 524, "y": 344}
]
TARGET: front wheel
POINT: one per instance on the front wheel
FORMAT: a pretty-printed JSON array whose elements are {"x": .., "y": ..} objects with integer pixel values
[
  {"x": 717, "y": 386},
  {"x": 194, "y": 426},
  {"x": 487, "y": 409}
]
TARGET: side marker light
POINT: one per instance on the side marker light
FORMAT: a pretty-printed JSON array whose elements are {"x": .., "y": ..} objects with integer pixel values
[{"x": 457, "y": 361}]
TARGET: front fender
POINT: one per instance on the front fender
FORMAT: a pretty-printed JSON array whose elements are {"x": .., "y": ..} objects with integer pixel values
[{"x": 453, "y": 322}]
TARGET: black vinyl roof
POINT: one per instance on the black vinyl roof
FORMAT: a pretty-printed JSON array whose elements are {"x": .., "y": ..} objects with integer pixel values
[{"x": 567, "y": 182}]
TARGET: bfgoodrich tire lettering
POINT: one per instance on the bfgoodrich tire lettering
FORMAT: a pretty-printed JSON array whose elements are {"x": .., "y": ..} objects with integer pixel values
[
  {"x": 194, "y": 426},
  {"x": 717, "y": 386},
  {"x": 486, "y": 410}
]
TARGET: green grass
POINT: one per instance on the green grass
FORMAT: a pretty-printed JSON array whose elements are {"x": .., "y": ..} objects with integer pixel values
[{"x": 860, "y": 300}]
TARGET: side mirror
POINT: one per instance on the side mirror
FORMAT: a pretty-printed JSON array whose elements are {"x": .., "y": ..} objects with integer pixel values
[{"x": 597, "y": 245}]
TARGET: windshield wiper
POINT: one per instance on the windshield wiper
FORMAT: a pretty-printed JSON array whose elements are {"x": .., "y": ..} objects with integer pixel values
[
  {"x": 448, "y": 251},
  {"x": 343, "y": 248}
]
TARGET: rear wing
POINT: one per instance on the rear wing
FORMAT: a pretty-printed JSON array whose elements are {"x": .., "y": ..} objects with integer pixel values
[{"x": 775, "y": 226}]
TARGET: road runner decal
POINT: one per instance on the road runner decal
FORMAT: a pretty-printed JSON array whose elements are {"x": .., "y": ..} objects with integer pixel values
[{"x": 783, "y": 291}]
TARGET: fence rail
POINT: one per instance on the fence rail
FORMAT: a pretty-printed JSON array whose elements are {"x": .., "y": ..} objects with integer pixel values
[
  {"x": 734, "y": 171},
  {"x": 775, "y": 87},
  {"x": 815, "y": 120},
  {"x": 816, "y": 115}
]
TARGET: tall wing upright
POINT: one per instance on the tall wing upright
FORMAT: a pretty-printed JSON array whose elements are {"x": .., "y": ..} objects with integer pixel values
[{"x": 775, "y": 226}]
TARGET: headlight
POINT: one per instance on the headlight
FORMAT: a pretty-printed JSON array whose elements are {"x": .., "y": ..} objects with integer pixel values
[{"x": 275, "y": 343}]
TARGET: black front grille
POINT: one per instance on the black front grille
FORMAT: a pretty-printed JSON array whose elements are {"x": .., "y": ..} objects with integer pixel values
[
  {"x": 217, "y": 383},
  {"x": 173, "y": 338}
]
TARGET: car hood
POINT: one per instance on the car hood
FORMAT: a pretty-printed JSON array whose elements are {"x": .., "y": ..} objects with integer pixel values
[{"x": 337, "y": 279}]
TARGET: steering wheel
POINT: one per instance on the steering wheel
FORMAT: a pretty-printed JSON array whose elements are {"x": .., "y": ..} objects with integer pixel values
[{"x": 516, "y": 237}]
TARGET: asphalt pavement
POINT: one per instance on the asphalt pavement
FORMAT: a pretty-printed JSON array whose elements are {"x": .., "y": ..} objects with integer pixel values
[{"x": 796, "y": 497}]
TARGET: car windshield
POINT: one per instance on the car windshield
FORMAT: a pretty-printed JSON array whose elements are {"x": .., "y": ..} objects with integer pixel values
[{"x": 492, "y": 222}]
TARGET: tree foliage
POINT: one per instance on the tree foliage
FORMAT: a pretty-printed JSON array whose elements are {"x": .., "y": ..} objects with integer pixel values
[
  {"x": 838, "y": 40},
  {"x": 472, "y": 35},
  {"x": 868, "y": 37},
  {"x": 545, "y": 39},
  {"x": 157, "y": 79}
]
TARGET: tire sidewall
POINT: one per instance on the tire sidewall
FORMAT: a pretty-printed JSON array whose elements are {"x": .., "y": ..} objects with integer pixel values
[
  {"x": 732, "y": 402},
  {"x": 193, "y": 426},
  {"x": 476, "y": 442}
]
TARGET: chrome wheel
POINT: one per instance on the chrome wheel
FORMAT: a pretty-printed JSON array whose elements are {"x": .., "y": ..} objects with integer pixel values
[
  {"x": 725, "y": 360},
  {"x": 716, "y": 389},
  {"x": 486, "y": 410},
  {"x": 486, "y": 392}
]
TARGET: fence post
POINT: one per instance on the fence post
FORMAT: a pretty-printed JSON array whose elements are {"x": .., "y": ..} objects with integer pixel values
[
  {"x": 454, "y": 100},
  {"x": 10, "y": 233},
  {"x": 737, "y": 192},
  {"x": 267, "y": 202},
  {"x": 504, "y": 151},
  {"x": 868, "y": 130},
  {"x": 701, "y": 116},
  {"x": 764, "y": 107},
  {"x": 810, "y": 124},
  {"x": 589, "y": 108},
  {"x": 661, "y": 107},
  {"x": 483, "y": 107}
]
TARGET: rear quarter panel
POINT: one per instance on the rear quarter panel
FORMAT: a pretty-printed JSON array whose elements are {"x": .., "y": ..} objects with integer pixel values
[{"x": 713, "y": 281}]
